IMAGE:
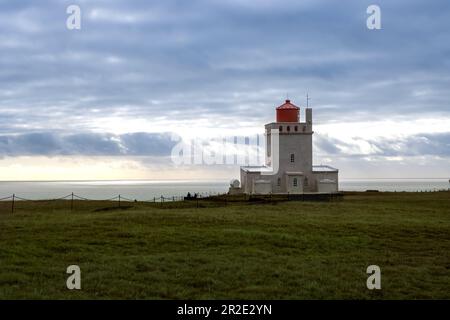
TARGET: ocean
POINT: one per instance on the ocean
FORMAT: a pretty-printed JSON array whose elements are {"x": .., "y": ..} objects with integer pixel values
[{"x": 148, "y": 189}]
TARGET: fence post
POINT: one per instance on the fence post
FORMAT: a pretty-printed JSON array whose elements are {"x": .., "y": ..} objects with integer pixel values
[
  {"x": 119, "y": 200},
  {"x": 12, "y": 204},
  {"x": 162, "y": 200},
  {"x": 71, "y": 203}
]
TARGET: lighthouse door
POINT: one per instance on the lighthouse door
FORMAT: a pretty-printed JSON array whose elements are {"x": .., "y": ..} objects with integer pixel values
[{"x": 294, "y": 184}]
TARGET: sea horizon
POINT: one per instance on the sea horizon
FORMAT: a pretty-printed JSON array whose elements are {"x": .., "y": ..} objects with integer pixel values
[
  {"x": 147, "y": 189},
  {"x": 185, "y": 180}
]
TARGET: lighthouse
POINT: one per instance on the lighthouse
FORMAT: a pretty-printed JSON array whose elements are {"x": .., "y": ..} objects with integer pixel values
[{"x": 288, "y": 164}]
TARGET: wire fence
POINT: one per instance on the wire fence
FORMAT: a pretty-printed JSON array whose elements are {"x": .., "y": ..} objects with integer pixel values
[{"x": 72, "y": 201}]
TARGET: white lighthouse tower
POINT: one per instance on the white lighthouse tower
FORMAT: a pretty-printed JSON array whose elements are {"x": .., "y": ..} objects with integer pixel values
[{"x": 288, "y": 167}]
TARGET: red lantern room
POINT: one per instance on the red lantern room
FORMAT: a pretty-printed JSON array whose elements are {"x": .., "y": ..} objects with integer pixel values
[{"x": 288, "y": 112}]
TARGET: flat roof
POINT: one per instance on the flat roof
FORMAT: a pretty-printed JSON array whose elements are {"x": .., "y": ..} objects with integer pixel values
[
  {"x": 256, "y": 168},
  {"x": 324, "y": 168}
]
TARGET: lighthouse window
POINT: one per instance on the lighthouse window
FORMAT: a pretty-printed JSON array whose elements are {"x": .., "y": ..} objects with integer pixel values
[
  {"x": 281, "y": 128},
  {"x": 288, "y": 128},
  {"x": 279, "y": 182},
  {"x": 295, "y": 182},
  {"x": 292, "y": 157}
]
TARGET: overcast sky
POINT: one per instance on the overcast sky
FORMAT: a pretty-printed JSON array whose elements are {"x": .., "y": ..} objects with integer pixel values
[{"x": 105, "y": 101}]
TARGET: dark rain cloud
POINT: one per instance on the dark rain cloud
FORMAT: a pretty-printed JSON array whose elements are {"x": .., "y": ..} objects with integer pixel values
[
  {"x": 155, "y": 144},
  {"x": 90, "y": 144}
]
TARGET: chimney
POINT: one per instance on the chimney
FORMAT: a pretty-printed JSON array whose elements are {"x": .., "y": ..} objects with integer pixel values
[{"x": 308, "y": 116}]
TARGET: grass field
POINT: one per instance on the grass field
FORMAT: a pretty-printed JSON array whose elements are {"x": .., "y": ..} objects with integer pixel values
[{"x": 283, "y": 250}]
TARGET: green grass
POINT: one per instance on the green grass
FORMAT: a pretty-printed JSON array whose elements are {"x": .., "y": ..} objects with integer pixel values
[{"x": 284, "y": 250}]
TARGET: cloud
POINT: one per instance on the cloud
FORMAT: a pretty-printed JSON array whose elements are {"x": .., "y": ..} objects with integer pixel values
[
  {"x": 161, "y": 144},
  {"x": 212, "y": 58},
  {"x": 417, "y": 145},
  {"x": 437, "y": 144},
  {"x": 328, "y": 145},
  {"x": 86, "y": 144},
  {"x": 141, "y": 67}
]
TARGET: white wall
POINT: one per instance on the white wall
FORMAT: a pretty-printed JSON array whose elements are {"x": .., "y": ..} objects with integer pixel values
[
  {"x": 327, "y": 187},
  {"x": 260, "y": 187}
]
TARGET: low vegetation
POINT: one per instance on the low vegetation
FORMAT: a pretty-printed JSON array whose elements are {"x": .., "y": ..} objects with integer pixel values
[{"x": 224, "y": 249}]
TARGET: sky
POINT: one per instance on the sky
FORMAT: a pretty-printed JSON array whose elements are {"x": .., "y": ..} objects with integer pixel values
[{"x": 110, "y": 100}]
